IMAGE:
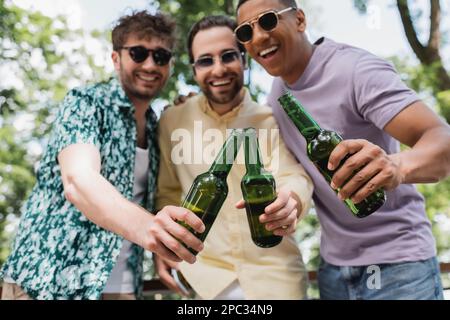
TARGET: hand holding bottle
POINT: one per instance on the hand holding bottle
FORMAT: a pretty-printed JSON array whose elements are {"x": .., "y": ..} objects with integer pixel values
[
  {"x": 321, "y": 144},
  {"x": 164, "y": 234},
  {"x": 375, "y": 170},
  {"x": 281, "y": 216}
]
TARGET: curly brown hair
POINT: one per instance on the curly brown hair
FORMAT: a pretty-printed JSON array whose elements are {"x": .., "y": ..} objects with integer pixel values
[
  {"x": 145, "y": 26},
  {"x": 287, "y": 3}
]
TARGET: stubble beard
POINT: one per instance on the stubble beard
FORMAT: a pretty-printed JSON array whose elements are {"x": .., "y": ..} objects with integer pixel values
[{"x": 235, "y": 90}]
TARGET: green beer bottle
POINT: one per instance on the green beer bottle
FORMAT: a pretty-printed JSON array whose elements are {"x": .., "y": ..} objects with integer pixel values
[
  {"x": 209, "y": 190},
  {"x": 259, "y": 190},
  {"x": 320, "y": 144}
]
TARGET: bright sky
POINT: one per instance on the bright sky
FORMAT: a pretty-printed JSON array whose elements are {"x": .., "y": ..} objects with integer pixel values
[{"x": 379, "y": 32}]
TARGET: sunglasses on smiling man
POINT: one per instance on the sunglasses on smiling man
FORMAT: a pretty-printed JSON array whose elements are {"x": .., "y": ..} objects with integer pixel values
[
  {"x": 226, "y": 57},
  {"x": 267, "y": 21},
  {"x": 139, "y": 54}
]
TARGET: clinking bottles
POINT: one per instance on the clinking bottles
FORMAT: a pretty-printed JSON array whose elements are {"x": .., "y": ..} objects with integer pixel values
[
  {"x": 320, "y": 144},
  {"x": 209, "y": 190},
  {"x": 259, "y": 191}
]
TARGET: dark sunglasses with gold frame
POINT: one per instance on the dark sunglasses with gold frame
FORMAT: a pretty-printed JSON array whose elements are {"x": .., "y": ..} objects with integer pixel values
[{"x": 267, "y": 21}]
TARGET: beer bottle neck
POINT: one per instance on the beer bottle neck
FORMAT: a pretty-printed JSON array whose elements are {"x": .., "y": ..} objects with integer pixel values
[
  {"x": 224, "y": 160},
  {"x": 253, "y": 161},
  {"x": 307, "y": 126}
]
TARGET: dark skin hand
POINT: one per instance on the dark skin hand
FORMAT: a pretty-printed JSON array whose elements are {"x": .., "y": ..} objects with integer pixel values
[
  {"x": 427, "y": 161},
  {"x": 181, "y": 99}
]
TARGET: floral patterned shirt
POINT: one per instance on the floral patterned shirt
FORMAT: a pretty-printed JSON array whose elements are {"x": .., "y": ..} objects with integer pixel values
[{"x": 58, "y": 253}]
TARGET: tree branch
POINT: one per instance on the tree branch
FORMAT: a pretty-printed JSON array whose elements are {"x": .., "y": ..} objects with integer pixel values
[
  {"x": 410, "y": 31},
  {"x": 429, "y": 56},
  {"x": 435, "y": 21}
]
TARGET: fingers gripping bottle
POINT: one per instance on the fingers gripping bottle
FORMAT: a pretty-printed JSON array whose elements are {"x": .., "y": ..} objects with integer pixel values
[{"x": 320, "y": 144}]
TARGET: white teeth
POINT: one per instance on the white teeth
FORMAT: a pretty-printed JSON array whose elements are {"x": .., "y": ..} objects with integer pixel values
[
  {"x": 267, "y": 51},
  {"x": 146, "y": 78},
  {"x": 221, "y": 83}
]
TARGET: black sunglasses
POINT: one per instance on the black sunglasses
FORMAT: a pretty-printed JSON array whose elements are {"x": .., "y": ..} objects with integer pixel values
[
  {"x": 267, "y": 21},
  {"x": 139, "y": 54},
  {"x": 226, "y": 57}
]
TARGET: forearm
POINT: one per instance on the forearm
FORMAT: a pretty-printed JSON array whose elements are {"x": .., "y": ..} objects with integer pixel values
[
  {"x": 428, "y": 161},
  {"x": 102, "y": 204}
]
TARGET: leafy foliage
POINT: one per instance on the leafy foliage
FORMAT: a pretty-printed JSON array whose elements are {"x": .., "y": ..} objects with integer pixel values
[{"x": 40, "y": 58}]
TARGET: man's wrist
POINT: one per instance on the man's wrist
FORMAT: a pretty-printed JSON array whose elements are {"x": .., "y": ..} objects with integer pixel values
[
  {"x": 138, "y": 226},
  {"x": 402, "y": 163},
  {"x": 299, "y": 204}
]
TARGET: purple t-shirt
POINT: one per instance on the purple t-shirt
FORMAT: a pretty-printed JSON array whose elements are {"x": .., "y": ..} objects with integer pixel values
[{"x": 355, "y": 93}]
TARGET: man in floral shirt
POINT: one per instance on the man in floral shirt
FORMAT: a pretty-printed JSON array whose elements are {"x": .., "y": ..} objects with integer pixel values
[{"x": 83, "y": 229}]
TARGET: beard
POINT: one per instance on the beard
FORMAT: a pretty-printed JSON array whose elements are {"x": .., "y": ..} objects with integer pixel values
[
  {"x": 225, "y": 97},
  {"x": 135, "y": 91}
]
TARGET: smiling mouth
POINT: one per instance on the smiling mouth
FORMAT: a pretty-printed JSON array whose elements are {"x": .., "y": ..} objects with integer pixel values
[
  {"x": 267, "y": 53},
  {"x": 220, "y": 83},
  {"x": 147, "y": 78}
]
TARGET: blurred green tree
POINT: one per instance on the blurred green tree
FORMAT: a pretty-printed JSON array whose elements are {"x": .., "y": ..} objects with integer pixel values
[
  {"x": 433, "y": 74},
  {"x": 40, "y": 58}
]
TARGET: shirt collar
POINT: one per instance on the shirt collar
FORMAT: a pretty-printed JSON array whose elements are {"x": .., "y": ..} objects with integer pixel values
[{"x": 119, "y": 96}]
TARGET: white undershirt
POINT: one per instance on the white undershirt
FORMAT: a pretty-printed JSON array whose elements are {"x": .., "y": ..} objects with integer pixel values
[{"x": 121, "y": 279}]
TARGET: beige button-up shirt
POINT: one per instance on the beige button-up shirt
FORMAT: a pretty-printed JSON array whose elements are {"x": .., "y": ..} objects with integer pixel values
[{"x": 190, "y": 137}]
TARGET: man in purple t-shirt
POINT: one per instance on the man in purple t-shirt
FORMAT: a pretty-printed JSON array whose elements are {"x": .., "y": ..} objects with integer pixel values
[{"x": 390, "y": 254}]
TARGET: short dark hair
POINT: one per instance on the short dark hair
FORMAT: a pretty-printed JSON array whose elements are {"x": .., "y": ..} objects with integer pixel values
[
  {"x": 144, "y": 25},
  {"x": 208, "y": 23},
  {"x": 287, "y": 3}
]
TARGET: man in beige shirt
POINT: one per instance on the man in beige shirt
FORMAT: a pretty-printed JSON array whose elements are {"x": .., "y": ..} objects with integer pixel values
[{"x": 231, "y": 266}]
